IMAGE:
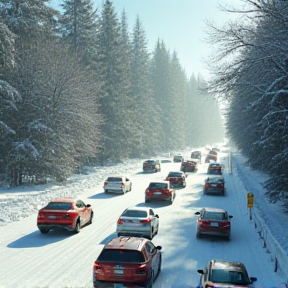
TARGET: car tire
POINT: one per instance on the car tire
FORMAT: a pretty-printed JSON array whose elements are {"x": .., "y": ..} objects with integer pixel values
[
  {"x": 198, "y": 235},
  {"x": 77, "y": 227},
  {"x": 150, "y": 237},
  {"x": 149, "y": 283},
  {"x": 91, "y": 218},
  {"x": 44, "y": 231},
  {"x": 159, "y": 266},
  {"x": 106, "y": 191}
]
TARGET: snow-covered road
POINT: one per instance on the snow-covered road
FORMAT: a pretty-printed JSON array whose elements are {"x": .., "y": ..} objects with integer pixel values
[{"x": 60, "y": 259}]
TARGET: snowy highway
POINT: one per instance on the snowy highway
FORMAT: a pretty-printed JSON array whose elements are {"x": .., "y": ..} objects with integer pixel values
[{"x": 62, "y": 259}]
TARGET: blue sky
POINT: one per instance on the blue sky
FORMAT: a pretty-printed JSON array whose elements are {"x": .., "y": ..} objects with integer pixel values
[{"x": 179, "y": 23}]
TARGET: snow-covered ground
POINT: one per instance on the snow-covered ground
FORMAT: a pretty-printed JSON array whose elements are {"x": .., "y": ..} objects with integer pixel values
[{"x": 61, "y": 259}]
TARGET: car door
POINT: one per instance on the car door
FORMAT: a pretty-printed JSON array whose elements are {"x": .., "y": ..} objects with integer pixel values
[
  {"x": 154, "y": 256},
  {"x": 83, "y": 212},
  {"x": 154, "y": 220}
]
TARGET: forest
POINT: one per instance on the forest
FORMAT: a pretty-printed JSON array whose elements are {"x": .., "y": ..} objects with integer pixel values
[{"x": 79, "y": 87}]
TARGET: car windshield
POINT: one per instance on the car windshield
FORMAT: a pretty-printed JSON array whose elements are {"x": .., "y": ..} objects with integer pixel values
[
  {"x": 150, "y": 162},
  {"x": 214, "y": 215},
  {"x": 114, "y": 179},
  {"x": 174, "y": 174},
  {"x": 114, "y": 255},
  {"x": 58, "y": 206},
  {"x": 135, "y": 213},
  {"x": 227, "y": 276},
  {"x": 158, "y": 185}
]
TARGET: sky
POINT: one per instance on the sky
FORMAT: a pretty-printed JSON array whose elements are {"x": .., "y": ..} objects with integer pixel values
[
  {"x": 62, "y": 259},
  {"x": 179, "y": 23}
]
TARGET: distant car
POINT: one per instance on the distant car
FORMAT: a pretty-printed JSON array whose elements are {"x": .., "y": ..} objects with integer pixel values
[
  {"x": 118, "y": 184},
  {"x": 220, "y": 273},
  {"x": 160, "y": 191},
  {"x": 196, "y": 155},
  {"x": 151, "y": 166},
  {"x": 138, "y": 221},
  {"x": 213, "y": 222},
  {"x": 65, "y": 213},
  {"x": 214, "y": 185},
  {"x": 214, "y": 168},
  {"x": 189, "y": 166},
  {"x": 178, "y": 157},
  {"x": 127, "y": 262},
  {"x": 176, "y": 178},
  {"x": 211, "y": 156}
]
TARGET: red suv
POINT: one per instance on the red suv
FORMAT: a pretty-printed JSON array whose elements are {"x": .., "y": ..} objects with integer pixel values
[{"x": 127, "y": 262}]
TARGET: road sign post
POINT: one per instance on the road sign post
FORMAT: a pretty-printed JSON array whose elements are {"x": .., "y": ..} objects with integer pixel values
[{"x": 250, "y": 202}]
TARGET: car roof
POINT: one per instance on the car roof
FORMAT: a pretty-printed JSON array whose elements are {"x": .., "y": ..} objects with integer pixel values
[
  {"x": 211, "y": 209},
  {"x": 64, "y": 199},
  {"x": 226, "y": 265},
  {"x": 124, "y": 242},
  {"x": 181, "y": 172},
  {"x": 139, "y": 208},
  {"x": 161, "y": 182}
]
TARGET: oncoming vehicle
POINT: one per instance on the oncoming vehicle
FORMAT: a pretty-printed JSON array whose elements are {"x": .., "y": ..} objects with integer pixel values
[
  {"x": 211, "y": 156},
  {"x": 224, "y": 274},
  {"x": 65, "y": 213},
  {"x": 138, "y": 221},
  {"x": 119, "y": 184},
  {"x": 127, "y": 262},
  {"x": 214, "y": 185},
  {"x": 151, "y": 166},
  {"x": 213, "y": 222},
  {"x": 160, "y": 191}
]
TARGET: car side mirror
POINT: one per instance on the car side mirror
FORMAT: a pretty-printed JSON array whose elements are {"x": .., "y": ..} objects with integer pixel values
[
  {"x": 253, "y": 279},
  {"x": 157, "y": 216},
  {"x": 88, "y": 205},
  {"x": 200, "y": 271},
  {"x": 158, "y": 247},
  {"x": 197, "y": 213}
]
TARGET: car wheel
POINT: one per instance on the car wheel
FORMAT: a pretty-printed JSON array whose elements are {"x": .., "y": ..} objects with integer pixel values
[
  {"x": 91, "y": 218},
  {"x": 77, "y": 227},
  {"x": 149, "y": 283},
  {"x": 151, "y": 234},
  {"x": 44, "y": 231},
  {"x": 130, "y": 188},
  {"x": 198, "y": 235},
  {"x": 146, "y": 200},
  {"x": 106, "y": 190},
  {"x": 159, "y": 266}
]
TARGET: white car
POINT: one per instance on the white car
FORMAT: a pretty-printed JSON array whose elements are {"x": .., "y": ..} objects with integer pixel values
[
  {"x": 138, "y": 221},
  {"x": 118, "y": 184}
]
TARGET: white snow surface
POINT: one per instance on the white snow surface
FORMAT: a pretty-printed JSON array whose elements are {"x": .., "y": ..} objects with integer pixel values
[{"x": 61, "y": 259}]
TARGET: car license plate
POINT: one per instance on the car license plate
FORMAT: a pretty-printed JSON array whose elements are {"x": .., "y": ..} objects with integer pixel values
[
  {"x": 214, "y": 224},
  {"x": 157, "y": 193},
  {"x": 118, "y": 272},
  {"x": 51, "y": 217},
  {"x": 213, "y": 185}
]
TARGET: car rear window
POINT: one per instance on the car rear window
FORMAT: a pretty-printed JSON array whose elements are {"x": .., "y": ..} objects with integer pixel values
[
  {"x": 58, "y": 206},
  {"x": 128, "y": 256},
  {"x": 134, "y": 213},
  {"x": 173, "y": 174},
  {"x": 158, "y": 185},
  {"x": 215, "y": 180},
  {"x": 150, "y": 161},
  {"x": 114, "y": 179},
  {"x": 226, "y": 276},
  {"x": 214, "y": 215}
]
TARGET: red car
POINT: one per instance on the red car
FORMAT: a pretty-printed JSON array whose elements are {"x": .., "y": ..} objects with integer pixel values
[
  {"x": 161, "y": 190},
  {"x": 213, "y": 222},
  {"x": 189, "y": 166},
  {"x": 66, "y": 213},
  {"x": 127, "y": 262},
  {"x": 177, "y": 179},
  {"x": 214, "y": 185}
]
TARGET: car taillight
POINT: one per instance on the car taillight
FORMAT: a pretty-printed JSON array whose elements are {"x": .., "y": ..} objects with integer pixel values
[
  {"x": 141, "y": 270},
  {"x": 120, "y": 221},
  {"x": 41, "y": 216},
  {"x": 147, "y": 191},
  {"x": 226, "y": 224},
  {"x": 105, "y": 183},
  {"x": 98, "y": 269},
  {"x": 67, "y": 216},
  {"x": 207, "y": 185},
  {"x": 122, "y": 184},
  {"x": 145, "y": 221}
]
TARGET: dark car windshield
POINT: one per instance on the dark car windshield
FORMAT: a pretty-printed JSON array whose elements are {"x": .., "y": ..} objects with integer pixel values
[
  {"x": 135, "y": 213},
  {"x": 118, "y": 256},
  {"x": 174, "y": 174},
  {"x": 58, "y": 206},
  {"x": 226, "y": 276},
  {"x": 214, "y": 215},
  {"x": 150, "y": 161},
  {"x": 114, "y": 179},
  {"x": 158, "y": 185}
]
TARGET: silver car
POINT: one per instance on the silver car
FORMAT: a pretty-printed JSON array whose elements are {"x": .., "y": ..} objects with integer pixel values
[
  {"x": 138, "y": 221},
  {"x": 118, "y": 184}
]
